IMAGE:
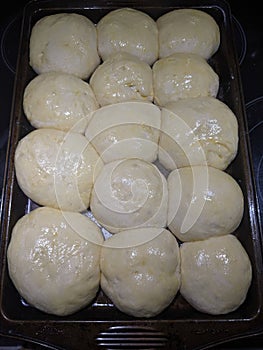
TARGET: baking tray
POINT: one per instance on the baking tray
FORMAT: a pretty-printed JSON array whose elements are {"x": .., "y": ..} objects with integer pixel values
[{"x": 101, "y": 325}]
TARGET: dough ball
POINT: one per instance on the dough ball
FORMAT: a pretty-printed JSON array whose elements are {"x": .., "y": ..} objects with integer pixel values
[
  {"x": 56, "y": 169},
  {"x": 216, "y": 274},
  {"x": 60, "y": 101},
  {"x": 183, "y": 75},
  {"x": 129, "y": 193},
  {"x": 122, "y": 77},
  {"x": 53, "y": 260},
  {"x": 188, "y": 30},
  {"x": 140, "y": 270},
  {"x": 64, "y": 42},
  {"x": 203, "y": 202},
  {"x": 128, "y": 30},
  {"x": 125, "y": 130},
  {"x": 198, "y": 131}
]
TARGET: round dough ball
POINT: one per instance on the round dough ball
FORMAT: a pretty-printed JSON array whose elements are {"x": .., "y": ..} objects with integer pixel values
[
  {"x": 183, "y": 75},
  {"x": 203, "y": 202},
  {"x": 56, "y": 169},
  {"x": 188, "y": 30},
  {"x": 64, "y": 42},
  {"x": 53, "y": 260},
  {"x": 198, "y": 131},
  {"x": 128, "y": 30},
  {"x": 122, "y": 77},
  {"x": 125, "y": 130},
  {"x": 129, "y": 193},
  {"x": 60, "y": 101},
  {"x": 216, "y": 274},
  {"x": 140, "y": 270}
]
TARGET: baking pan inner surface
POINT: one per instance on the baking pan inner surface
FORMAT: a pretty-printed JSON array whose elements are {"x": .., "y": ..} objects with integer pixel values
[{"x": 224, "y": 62}]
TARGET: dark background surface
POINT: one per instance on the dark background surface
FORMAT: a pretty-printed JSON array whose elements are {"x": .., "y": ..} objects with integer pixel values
[{"x": 248, "y": 23}]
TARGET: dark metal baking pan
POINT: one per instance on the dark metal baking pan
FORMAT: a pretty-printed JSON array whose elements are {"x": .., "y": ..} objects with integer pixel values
[{"x": 101, "y": 325}]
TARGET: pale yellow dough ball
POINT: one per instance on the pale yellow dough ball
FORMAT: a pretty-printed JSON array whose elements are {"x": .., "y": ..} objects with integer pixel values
[
  {"x": 129, "y": 193},
  {"x": 188, "y": 30},
  {"x": 53, "y": 260},
  {"x": 128, "y": 30},
  {"x": 125, "y": 130},
  {"x": 183, "y": 75},
  {"x": 59, "y": 101},
  {"x": 216, "y": 274},
  {"x": 203, "y": 202},
  {"x": 56, "y": 169},
  {"x": 140, "y": 270},
  {"x": 198, "y": 131},
  {"x": 122, "y": 77},
  {"x": 64, "y": 42}
]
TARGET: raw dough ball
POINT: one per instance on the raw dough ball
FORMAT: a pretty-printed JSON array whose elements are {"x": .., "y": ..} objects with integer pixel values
[
  {"x": 128, "y": 30},
  {"x": 140, "y": 270},
  {"x": 56, "y": 169},
  {"x": 125, "y": 130},
  {"x": 198, "y": 131},
  {"x": 183, "y": 75},
  {"x": 203, "y": 202},
  {"x": 122, "y": 77},
  {"x": 188, "y": 30},
  {"x": 53, "y": 260},
  {"x": 129, "y": 193},
  {"x": 216, "y": 274},
  {"x": 60, "y": 101},
  {"x": 64, "y": 42}
]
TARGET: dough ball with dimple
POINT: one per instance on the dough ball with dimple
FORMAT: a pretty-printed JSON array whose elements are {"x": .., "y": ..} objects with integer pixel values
[
  {"x": 60, "y": 101},
  {"x": 125, "y": 130},
  {"x": 216, "y": 274},
  {"x": 140, "y": 270},
  {"x": 129, "y": 193},
  {"x": 188, "y": 30},
  {"x": 64, "y": 42},
  {"x": 198, "y": 131},
  {"x": 56, "y": 169},
  {"x": 183, "y": 75},
  {"x": 128, "y": 30},
  {"x": 122, "y": 77},
  {"x": 203, "y": 202},
  {"x": 53, "y": 260}
]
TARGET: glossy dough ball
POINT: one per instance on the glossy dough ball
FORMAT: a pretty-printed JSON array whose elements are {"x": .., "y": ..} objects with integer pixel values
[
  {"x": 122, "y": 77},
  {"x": 125, "y": 130},
  {"x": 56, "y": 169},
  {"x": 128, "y": 30},
  {"x": 198, "y": 131},
  {"x": 183, "y": 75},
  {"x": 140, "y": 270},
  {"x": 188, "y": 30},
  {"x": 64, "y": 42},
  {"x": 60, "y": 101},
  {"x": 53, "y": 260},
  {"x": 129, "y": 193},
  {"x": 216, "y": 274},
  {"x": 203, "y": 202}
]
